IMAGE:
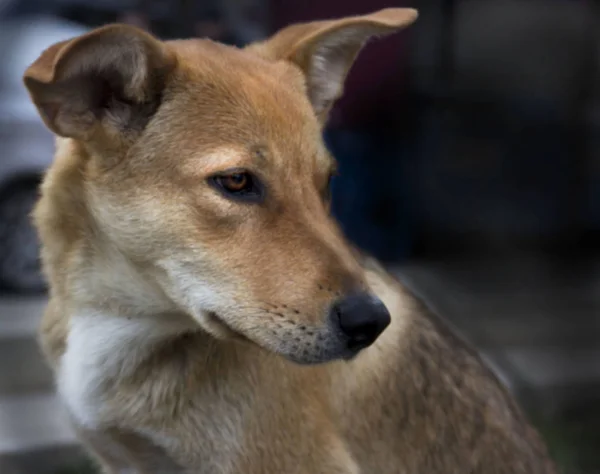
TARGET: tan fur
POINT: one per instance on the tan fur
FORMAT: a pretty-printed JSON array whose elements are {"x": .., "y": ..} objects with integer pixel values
[{"x": 179, "y": 319}]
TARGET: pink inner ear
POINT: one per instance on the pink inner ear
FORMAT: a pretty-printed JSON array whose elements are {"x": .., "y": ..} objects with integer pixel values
[{"x": 328, "y": 68}]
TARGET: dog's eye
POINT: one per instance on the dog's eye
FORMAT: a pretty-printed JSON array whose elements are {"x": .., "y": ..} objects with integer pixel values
[
  {"x": 235, "y": 183},
  {"x": 238, "y": 184}
]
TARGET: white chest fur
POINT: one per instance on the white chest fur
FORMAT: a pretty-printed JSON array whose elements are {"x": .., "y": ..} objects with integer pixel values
[{"x": 100, "y": 349}]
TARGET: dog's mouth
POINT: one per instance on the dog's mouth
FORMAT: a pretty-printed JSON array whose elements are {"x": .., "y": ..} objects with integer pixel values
[
  {"x": 296, "y": 342},
  {"x": 224, "y": 330}
]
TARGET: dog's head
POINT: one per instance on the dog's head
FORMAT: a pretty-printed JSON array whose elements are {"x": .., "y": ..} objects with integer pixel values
[{"x": 204, "y": 166}]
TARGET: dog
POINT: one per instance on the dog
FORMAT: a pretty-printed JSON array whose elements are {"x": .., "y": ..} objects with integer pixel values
[{"x": 206, "y": 314}]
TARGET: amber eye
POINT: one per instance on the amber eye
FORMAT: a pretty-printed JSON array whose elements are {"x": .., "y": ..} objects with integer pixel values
[
  {"x": 235, "y": 182},
  {"x": 238, "y": 185}
]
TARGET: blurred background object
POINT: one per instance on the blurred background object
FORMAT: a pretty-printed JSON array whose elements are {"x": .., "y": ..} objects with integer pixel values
[
  {"x": 26, "y": 144},
  {"x": 469, "y": 151}
]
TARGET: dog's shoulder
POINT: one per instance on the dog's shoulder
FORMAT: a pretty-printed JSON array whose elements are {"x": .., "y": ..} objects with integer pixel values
[{"x": 425, "y": 369}]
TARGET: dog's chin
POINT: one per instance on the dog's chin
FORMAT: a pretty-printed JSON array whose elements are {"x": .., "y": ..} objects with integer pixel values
[
  {"x": 317, "y": 355},
  {"x": 315, "y": 360}
]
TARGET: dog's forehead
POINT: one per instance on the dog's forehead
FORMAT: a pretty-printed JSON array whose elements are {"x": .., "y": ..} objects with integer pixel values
[
  {"x": 232, "y": 98},
  {"x": 239, "y": 82}
]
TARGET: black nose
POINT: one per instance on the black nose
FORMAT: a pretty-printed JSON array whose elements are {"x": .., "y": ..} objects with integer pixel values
[{"x": 362, "y": 318}]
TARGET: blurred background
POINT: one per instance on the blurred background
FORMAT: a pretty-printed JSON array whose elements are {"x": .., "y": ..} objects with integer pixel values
[{"x": 469, "y": 151}]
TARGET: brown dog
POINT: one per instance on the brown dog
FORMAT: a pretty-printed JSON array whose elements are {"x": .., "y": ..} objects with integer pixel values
[{"x": 206, "y": 315}]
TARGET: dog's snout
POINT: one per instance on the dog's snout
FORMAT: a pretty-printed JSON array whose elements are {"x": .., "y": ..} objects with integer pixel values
[{"x": 361, "y": 317}]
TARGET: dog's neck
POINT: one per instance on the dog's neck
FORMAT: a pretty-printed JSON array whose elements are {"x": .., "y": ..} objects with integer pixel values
[
  {"x": 114, "y": 328},
  {"x": 113, "y": 333}
]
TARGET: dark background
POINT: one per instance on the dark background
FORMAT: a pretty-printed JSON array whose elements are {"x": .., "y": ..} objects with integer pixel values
[{"x": 469, "y": 151}]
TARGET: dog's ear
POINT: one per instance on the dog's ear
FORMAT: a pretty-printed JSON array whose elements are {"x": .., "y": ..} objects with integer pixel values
[
  {"x": 109, "y": 80},
  {"x": 325, "y": 50}
]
